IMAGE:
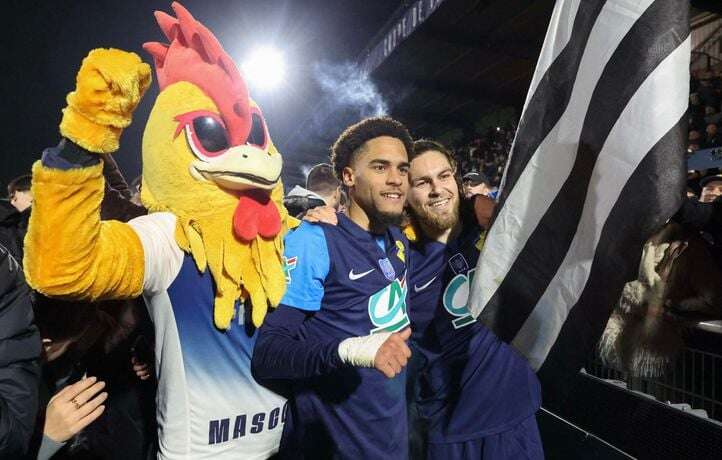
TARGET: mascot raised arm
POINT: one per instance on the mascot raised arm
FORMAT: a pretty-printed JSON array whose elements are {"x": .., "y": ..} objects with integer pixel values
[{"x": 208, "y": 257}]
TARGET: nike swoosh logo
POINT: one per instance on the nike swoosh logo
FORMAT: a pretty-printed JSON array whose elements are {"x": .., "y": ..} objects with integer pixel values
[
  {"x": 424, "y": 286},
  {"x": 354, "y": 276}
]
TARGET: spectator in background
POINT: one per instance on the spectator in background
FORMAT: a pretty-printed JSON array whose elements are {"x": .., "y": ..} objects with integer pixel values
[
  {"x": 87, "y": 357},
  {"x": 299, "y": 200},
  {"x": 696, "y": 112},
  {"x": 19, "y": 192},
  {"x": 13, "y": 226},
  {"x": 476, "y": 183},
  {"x": 70, "y": 402},
  {"x": 712, "y": 115},
  {"x": 19, "y": 355},
  {"x": 712, "y": 138},
  {"x": 322, "y": 188},
  {"x": 322, "y": 181},
  {"x": 711, "y": 188},
  {"x": 707, "y": 92},
  {"x": 694, "y": 139},
  {"x": 14, "y": 217}
]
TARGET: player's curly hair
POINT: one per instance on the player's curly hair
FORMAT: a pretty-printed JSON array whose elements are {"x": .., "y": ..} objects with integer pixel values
[{"x": 355, "y": 136}]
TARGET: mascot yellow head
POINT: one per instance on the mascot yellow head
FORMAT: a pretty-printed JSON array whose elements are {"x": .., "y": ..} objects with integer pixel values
[{"x": 208, "y": 159}]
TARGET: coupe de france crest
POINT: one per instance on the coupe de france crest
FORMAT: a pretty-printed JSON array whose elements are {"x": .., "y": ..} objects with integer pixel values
[{"x": 387, "y": 308}]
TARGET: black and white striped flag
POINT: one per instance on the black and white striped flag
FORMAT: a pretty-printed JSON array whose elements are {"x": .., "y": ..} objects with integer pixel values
[{"x": 596, "y": 167}]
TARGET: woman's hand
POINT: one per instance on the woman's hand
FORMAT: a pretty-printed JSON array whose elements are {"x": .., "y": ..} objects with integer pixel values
[{"x": 73, "y": 408}]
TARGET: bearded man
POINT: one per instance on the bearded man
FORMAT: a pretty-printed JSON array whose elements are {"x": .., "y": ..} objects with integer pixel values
[{"x": 476, "y": 395}]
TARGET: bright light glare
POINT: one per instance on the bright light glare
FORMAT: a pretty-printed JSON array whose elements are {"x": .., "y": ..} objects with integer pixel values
[{"x": 264, "y": 68}]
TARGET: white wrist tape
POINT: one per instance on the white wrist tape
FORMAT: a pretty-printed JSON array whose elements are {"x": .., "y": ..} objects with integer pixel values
[{"x": 361, "y": 351}]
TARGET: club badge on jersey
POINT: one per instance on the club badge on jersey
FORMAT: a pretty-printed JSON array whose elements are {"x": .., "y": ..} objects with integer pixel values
[{"x": 387, "y": 269}]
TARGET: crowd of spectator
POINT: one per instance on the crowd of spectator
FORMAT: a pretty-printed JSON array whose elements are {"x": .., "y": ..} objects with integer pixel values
[
  {"x": 486, "y": 154},
  {"x": 704, "y": 110},
  {"x": 704, "y": 119}
]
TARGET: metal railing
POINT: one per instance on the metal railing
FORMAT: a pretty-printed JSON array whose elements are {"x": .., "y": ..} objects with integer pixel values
[{"x": 694, "y": 379}]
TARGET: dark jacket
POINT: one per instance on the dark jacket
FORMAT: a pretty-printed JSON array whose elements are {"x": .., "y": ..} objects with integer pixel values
[
  {"x": 13, "y": 226},
  {"x": 116, "y": 203},
  {"x": 19, "y": 360}
]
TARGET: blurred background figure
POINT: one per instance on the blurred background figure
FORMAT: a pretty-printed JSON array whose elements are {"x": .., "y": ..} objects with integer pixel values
[
  {"x": 322, "y": 181},
  {"x": 19, "y": 192},
  {"x": 322, "y": 189},
  {"x": 14, "y": 216},
  {"x": 476, "y": 183},
  {"x": 711, "y": 188},
  {"x": 94, "y": 400}
]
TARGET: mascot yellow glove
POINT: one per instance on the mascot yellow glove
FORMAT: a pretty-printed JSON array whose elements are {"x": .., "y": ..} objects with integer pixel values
[{"x": 109, "y": 87}]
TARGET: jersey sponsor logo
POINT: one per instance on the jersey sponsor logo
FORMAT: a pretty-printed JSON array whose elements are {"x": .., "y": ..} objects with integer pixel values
[
  {"x": 387, "y": 308},
  {"x": 456, "y": 299},
  {"x": 418, "y": 288},
  {"x": 288, "y": 265},
  {"x": 354, "y": 276},
  {"x": 220, "y": 430}
]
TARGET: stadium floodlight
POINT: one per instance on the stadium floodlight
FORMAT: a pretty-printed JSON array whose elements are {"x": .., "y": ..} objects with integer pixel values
[{"x": 264, "y": 67}]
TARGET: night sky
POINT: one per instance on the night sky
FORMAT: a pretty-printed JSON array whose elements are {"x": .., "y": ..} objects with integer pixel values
[{"x": 45, "y": 41}]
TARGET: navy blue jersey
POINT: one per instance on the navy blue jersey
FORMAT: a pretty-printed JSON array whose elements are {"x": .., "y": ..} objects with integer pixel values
[
  {"x": 350, "y": 287},
  {"x": 472, "y": 384}
]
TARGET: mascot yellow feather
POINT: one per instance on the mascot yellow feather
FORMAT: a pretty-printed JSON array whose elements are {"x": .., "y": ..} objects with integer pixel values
[{"x": 212, "y": 243}]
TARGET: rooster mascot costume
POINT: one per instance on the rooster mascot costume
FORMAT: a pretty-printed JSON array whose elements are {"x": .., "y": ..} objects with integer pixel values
[{"x": 208, "y": 257}]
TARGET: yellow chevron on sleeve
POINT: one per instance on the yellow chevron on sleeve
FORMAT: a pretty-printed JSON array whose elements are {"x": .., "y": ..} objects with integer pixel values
[{"x": 69, "y": 252}]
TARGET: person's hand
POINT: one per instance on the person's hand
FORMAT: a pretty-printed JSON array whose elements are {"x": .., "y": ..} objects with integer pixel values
[
  {"x": 73, "y": 408},
  {"x": 393, "y": 354},
  {"x": 324, "y": 214},
  {"x": 142, "y": 370}
]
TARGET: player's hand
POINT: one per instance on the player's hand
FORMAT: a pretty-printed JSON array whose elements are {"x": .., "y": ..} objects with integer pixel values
[
  {"x": 324, "y": 214},
  {"x": 73, "y": 408},
  {"x": 393, "y": 354}
]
